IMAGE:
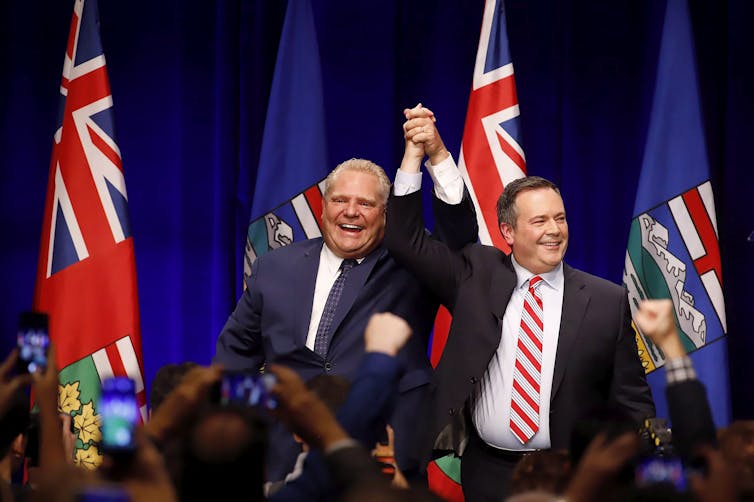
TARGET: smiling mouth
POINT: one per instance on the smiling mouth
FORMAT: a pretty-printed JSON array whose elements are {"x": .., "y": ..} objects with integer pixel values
[{"x": 351, "y": 228}]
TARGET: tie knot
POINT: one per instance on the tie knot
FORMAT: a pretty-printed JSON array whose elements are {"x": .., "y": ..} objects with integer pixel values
[
  {"x": 535, "y": 282},
  {"x": 347, "y": 264}
]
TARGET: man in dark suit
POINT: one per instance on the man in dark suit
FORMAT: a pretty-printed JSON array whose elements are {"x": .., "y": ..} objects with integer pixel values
[
  {"x": 279, "y": 315},
  {"x": 534, "y": 346}
]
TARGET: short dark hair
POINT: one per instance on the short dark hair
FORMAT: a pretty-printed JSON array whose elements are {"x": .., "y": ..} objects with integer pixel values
[
  {"x": 506, "y": 204},
  {"x": 165, "y": 380}
]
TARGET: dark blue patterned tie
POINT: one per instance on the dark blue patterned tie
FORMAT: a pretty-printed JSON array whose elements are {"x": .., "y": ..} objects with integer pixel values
[{"x": 322, "y": 340}]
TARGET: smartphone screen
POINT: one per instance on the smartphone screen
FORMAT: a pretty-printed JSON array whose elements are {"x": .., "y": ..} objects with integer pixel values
[
  {"x": 654, "y": 470},
  {"x": 33, "y": 341},
  {"x": 247, "y": 389},
  {"x": 120, "y": 415}
]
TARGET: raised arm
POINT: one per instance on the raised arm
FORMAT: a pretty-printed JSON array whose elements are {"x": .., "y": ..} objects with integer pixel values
[
  {"x": 437, "y": 264},
  {"x": 455, "y": 217},
  {"x": 688, "y": 407}
]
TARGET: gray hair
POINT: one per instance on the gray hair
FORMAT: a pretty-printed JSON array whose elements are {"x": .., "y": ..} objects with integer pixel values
[{"x": 364, "y": 166}]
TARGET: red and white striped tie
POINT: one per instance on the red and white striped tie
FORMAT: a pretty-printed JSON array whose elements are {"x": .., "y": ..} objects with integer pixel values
[{"x": 524, "y": 421}]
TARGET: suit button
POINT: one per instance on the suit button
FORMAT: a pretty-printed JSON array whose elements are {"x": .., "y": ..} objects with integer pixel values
[
  {"x": 474, "y": 380},
  {"x": 328, "y": 367}
]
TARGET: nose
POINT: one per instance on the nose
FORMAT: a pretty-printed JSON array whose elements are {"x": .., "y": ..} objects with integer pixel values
[
  {"x": 552, "y": 227},
  {"x": 352, "y": 208}
]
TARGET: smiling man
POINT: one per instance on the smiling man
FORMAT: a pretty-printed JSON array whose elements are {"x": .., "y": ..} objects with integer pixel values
[
  {"x": 307, "y": 304},
  {"x": 535, "y": 346}
]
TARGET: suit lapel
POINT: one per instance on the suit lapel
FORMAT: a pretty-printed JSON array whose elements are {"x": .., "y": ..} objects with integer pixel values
[
  {"x": 575, "y": 301},
  {"x": 306, "y": 266},
  {"x": 501, "y": 288},
  {"x": 502, "y": 284},
  {"x": 355, "y": 281}
]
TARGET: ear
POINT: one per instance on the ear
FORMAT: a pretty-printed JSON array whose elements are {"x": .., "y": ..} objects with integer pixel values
[{"x": 508, "y": 233}]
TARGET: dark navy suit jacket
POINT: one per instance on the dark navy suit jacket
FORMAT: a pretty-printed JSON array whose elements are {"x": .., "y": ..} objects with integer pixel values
[{"x": 271, "y": 321}]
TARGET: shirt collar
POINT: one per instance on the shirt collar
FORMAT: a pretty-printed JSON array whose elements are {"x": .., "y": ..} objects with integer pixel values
[
  {"x": 331, "y": 260},
  {"x": 554, "y": 278}
]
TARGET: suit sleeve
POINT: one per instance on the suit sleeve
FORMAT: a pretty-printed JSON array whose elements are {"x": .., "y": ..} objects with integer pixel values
[
  {"x": 439, "y": 268},
  {"x": 370, "y": 401},
  {"x": 455, "y": 224},
  {"x": 691, "y": 417},
  {"x": 239, "y": 345},
  {"x": 629, "y": 385}
]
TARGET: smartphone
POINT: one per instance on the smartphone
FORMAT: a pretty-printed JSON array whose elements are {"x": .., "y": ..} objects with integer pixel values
[
  {"x": 103, "y": 493},
  {"x": 33, "y": 341},
  {"x": 654, "y": 470},
  {"x": 247, "y": 389},
  {"x": 120, "y": 416}
]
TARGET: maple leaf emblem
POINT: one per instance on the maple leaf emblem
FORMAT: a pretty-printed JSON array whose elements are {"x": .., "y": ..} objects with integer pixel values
[
  {"x": 88, "y": 424},
  {"x": 68, "y": 397},
  {"x": 89, "y": 458}
]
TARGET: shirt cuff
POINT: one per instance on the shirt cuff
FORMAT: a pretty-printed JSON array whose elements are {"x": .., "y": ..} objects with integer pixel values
[
  {"x": 407, "y": 183},
  {"x": 447, "y": 179},
  {"x": 679, "y": 369}
]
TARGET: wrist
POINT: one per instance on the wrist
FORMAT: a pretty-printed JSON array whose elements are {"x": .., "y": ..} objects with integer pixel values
[
  {"x": 437, "y": 157},
  {"x": 411, "y": 163},
  {"x": 673, "y": 349},
  {"x": 381, "y": 348}
]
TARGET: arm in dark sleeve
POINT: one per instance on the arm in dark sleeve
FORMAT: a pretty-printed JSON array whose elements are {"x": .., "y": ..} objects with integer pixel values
[
  {"x": 690, "y": 416},
  {"x": 455, "y": 224},
  {"x": 437, "y": 267},
  {"x": 239, "y": 345},
  {"x": 370, "y": 401},
  {"x": 629, "y": 388}
]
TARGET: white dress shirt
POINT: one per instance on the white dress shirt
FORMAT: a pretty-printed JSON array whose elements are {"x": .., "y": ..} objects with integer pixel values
[
  {"x": 328, "y": 271},
  {"x": 491, "y": 406}
]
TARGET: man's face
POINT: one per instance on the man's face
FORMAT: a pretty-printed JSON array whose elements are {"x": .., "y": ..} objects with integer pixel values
[
  {"x": 540, "y": 238},
  {"x": 353, "y": 215}
]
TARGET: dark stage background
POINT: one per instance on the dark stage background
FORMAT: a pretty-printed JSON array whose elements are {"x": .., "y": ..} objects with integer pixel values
[{"x": 190, "y": 82}]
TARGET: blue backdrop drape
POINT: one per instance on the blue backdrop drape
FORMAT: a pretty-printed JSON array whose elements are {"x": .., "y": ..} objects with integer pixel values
[{"x": 190, "y": 82}]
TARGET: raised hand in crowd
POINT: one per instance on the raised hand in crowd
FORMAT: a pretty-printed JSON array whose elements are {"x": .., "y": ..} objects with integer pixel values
[
  {"x": 386, "y": 333},
  {"x": 656, "y": 320}
]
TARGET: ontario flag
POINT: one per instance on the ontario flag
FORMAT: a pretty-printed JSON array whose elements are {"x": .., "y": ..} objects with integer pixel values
[
  {"x": 673, "y": 249},
  {"x": 86, "y": 277},
  {"x": 491, "y": 156},
  {"x": 293, "y": 161}
]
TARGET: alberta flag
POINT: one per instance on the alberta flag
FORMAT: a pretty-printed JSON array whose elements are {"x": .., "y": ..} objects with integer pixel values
[
  {"x": 673, "y": 248},
  {"x": 491, "y": 156},
  {"x": 287, "y": 202},
  {"x": 86, "y": 278}
]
